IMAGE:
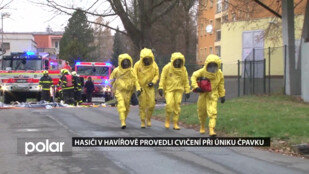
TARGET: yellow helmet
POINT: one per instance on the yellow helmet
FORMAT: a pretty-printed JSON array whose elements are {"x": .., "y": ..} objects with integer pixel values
[
  {"x": 74, "y": 73},
  {"x": 62, "y": 71},
  {"x": 45, "y": 72},
  {"x": 66, "y": 71}
]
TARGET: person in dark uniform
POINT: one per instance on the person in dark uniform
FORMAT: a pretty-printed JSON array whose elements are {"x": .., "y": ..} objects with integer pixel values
[
  {"x": 77, "y": 89},
  {"x": 46, "y": 82},
  {"x": 67, "y": 86},
  {"x": 89, "y": 89}
]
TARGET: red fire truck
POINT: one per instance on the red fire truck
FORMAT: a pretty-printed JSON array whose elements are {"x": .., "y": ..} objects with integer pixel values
[
  {"x": 20, "y": 74},
  {"x": 100, "y": 73}
]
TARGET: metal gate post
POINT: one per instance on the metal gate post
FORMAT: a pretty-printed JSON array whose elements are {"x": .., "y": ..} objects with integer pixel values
[
  {"x": 269, "y": 71},
  {"x": 253, "y": 86},
  {"x": 244, "y": 76},
  {"x": 238, "y": 77},
  {"x": 264, "y": 75}
]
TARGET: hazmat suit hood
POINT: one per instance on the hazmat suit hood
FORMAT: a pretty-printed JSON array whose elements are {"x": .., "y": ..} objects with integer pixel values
[
  {"x": 212, "y": 59},
  {"x": 124, "y": 79},
  {"x": 177, "y": 55},
  {"x": 122, "y": 57},
  {"x": 146, "y": 53},
  {"x": 146, "y": 73}
]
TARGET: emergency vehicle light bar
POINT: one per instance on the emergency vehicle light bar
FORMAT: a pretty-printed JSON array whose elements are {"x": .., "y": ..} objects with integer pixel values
[
  {"x": 92, "y": 63},
  {"x": 30, "y": 53},
  {"x": 83, "y": 63}
]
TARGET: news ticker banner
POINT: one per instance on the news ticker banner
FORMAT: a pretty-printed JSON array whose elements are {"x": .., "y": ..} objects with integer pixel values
[
  {"x": 64, "y": 146},
  {"x": 170, "y": 141}
]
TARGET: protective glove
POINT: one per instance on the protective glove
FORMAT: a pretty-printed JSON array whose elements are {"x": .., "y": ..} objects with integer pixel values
[
  {"x": 198, "y": 90},
  {"x": 161, "y": 92},
  {"x": 150, "y": 84},
  {"x": 187, "y": 96},
  {"x": 138, "y": 93},
  {"x": 223, "y": 99}
]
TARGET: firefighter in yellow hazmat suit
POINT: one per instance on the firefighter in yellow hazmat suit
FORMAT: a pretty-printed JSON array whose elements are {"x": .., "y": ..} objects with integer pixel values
[
  {"x": 147, "y": 72},
  {"x": 173, "y": 82},
  {"x": 124, "y": 81},
  {"x": 207, "y": 101}
]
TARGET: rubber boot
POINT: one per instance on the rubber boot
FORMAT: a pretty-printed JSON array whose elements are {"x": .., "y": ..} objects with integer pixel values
[
  {"x": 202, "y": 129},
  {"x": 202, "y": 125},
  {"x": 148, "y": 115},
  {"x": 212, "y": 132},
  {"x": 167, "y": 121},
  {"x": 176, "y": 127},
  {"x": 122, "y": 117},
  {"x": 123, "y": 124},
  {"x": 143, "y": 123},
  {"x": 167, "y": 124},
  {"x": 212, "y": 124},
  {"x": 148, "y": 119},
  {"x": 175, "y": 120},
  {"x": 148, "y": 122}
]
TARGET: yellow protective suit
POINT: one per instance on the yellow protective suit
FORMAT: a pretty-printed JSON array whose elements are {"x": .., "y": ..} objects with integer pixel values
[
  {"x": 174, "y": 81},
  {"x": 145, "y": 75},
  {"x": 207, "y": 101},
  {"x": 124, "y": 82}
]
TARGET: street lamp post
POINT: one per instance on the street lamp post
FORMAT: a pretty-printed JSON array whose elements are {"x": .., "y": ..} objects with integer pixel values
[{"x": 2, "y": 16}]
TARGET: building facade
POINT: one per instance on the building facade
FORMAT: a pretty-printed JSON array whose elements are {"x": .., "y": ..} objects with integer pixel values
[
  {"x": 232, "y": 29},
  {"x": 18, "y": 42},
  {"x": 48, "y": 42}
]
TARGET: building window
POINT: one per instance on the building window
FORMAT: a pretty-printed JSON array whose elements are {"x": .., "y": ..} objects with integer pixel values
[
  {"x": 233, "y": 16},
  {"x": 239, "y": 14},
  {"x": 210, "y": 50},
  {"x": 219, "y": 6},
  {"x": 218, "y": 35},
  {"x": 5, "y": 46},
  {"x": 205, "y": 52},
  {"x": 218, "y": 51},
  {"x": 56, "y": 44},
  {"x": 225, "y": 5},
  {"x": 225, "y": 18}
]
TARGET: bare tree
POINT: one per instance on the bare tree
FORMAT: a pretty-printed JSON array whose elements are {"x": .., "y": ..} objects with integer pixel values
[
  {"x": 5, "y": 4},
  {"x": 177, "y": 30},
  {"x": 137, "y": 16},
  {"x": 103, "y": 41}
]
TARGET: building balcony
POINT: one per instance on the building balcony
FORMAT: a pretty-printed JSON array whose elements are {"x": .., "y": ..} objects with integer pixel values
[
  {"x": 219, "y": 8},
  {"x": 218, "y": 35}
]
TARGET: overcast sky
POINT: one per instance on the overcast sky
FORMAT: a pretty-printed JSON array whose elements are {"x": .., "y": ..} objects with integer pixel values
[{"x": 28, "y": 17}]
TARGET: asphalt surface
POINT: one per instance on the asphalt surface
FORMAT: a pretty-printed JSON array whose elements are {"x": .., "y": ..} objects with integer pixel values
[{"x": 65, "y": 123}]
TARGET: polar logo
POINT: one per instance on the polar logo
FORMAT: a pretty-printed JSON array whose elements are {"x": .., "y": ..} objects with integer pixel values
[{"x": 46, "y": 146}]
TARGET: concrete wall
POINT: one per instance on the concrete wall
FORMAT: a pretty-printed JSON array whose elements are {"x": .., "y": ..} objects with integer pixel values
[{"x": 231, "y": 44}]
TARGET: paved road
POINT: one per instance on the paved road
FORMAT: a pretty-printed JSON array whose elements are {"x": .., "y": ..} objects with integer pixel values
[{"x": 68, "y": 122}]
